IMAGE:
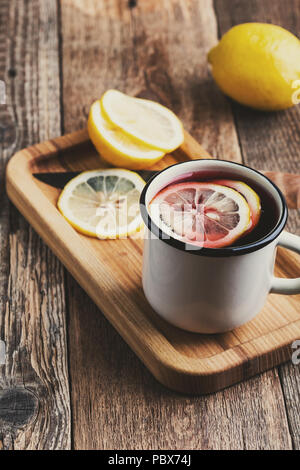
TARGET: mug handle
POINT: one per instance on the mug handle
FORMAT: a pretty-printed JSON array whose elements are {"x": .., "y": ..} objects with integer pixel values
[{"x": 281, "y": 285}]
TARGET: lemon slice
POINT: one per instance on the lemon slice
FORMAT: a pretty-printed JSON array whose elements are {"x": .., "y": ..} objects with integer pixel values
[
  {"x": 103, "y": 203},
  {"x": 115, "y": 146},
  {"x": 249, "y": 194},
  {"x": 144, "y": 121},
  {"x": 203, "y": 214}
]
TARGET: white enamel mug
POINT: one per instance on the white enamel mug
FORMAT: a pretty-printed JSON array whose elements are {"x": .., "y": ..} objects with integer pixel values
[{"x": 208, "y": 290}]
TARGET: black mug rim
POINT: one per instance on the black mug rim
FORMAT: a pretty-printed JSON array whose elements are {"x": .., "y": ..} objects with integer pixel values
[{"x": 213, "y": 252}]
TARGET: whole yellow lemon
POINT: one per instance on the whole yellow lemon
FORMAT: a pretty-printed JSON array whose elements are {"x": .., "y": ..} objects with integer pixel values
[{"x": 258, "y": 65}]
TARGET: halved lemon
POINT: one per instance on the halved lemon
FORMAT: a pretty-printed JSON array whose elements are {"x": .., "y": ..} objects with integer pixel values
[
  {"x": 103, "y": 203},
  {"x": 115, "y": 146},
  {"x": 203, "y": 214},
  {"x": 144, "y": 121}
]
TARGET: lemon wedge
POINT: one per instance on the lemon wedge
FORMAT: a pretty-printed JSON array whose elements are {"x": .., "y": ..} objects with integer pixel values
[
  {"x": 115, "y": 146},
  {"x": 103, "y": 203},
  {"x": 144, "y": 121}
]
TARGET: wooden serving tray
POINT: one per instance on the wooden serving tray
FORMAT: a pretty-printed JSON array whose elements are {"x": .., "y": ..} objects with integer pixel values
[{"x": 110, "y": 272}]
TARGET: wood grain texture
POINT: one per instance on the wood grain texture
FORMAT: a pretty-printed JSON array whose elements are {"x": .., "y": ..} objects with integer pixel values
[
  {"x": 180, "y": 360},
  {"x": 116, "y": 402},
  {"x": 290, "y": 381},
  {"x": 147, "y": 36},
  {"x": 271, "y": 141},
  {"x": 138, "y": 56},
  {"x": 133, "y": 46},
  {"x": 97, "y": 268},
  {"x": 34, "y": 389}
]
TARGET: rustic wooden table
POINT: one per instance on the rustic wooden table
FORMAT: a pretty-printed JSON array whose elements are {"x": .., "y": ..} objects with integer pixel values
[{"x": 67, "y": 378}]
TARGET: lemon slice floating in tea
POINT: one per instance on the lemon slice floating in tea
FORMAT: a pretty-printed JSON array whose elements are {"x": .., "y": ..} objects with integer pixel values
[
  {"x": 250, "y": 195},
  {"x": 201, "y": 213},
  {"x": 103, "y": 203}
]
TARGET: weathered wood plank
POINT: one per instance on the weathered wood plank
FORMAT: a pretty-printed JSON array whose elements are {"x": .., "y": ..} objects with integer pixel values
[
  {"x": 34, "y": 393},
  {"x": 290, "y": 380},
  {"x": 270, "y": 141},
  {"x": 155, "y": 50},
  {"x": 119, "y": 405}
]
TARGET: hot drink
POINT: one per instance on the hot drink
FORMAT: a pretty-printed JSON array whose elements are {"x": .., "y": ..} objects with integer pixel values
[{"x": 214, "y": 209}]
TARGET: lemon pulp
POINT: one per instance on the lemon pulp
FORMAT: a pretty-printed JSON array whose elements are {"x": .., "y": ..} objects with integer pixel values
[
  {"x": 103, "y": 203},
  {"x": 115, "y": 146},
  {"x": 144, "y": 121}
]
